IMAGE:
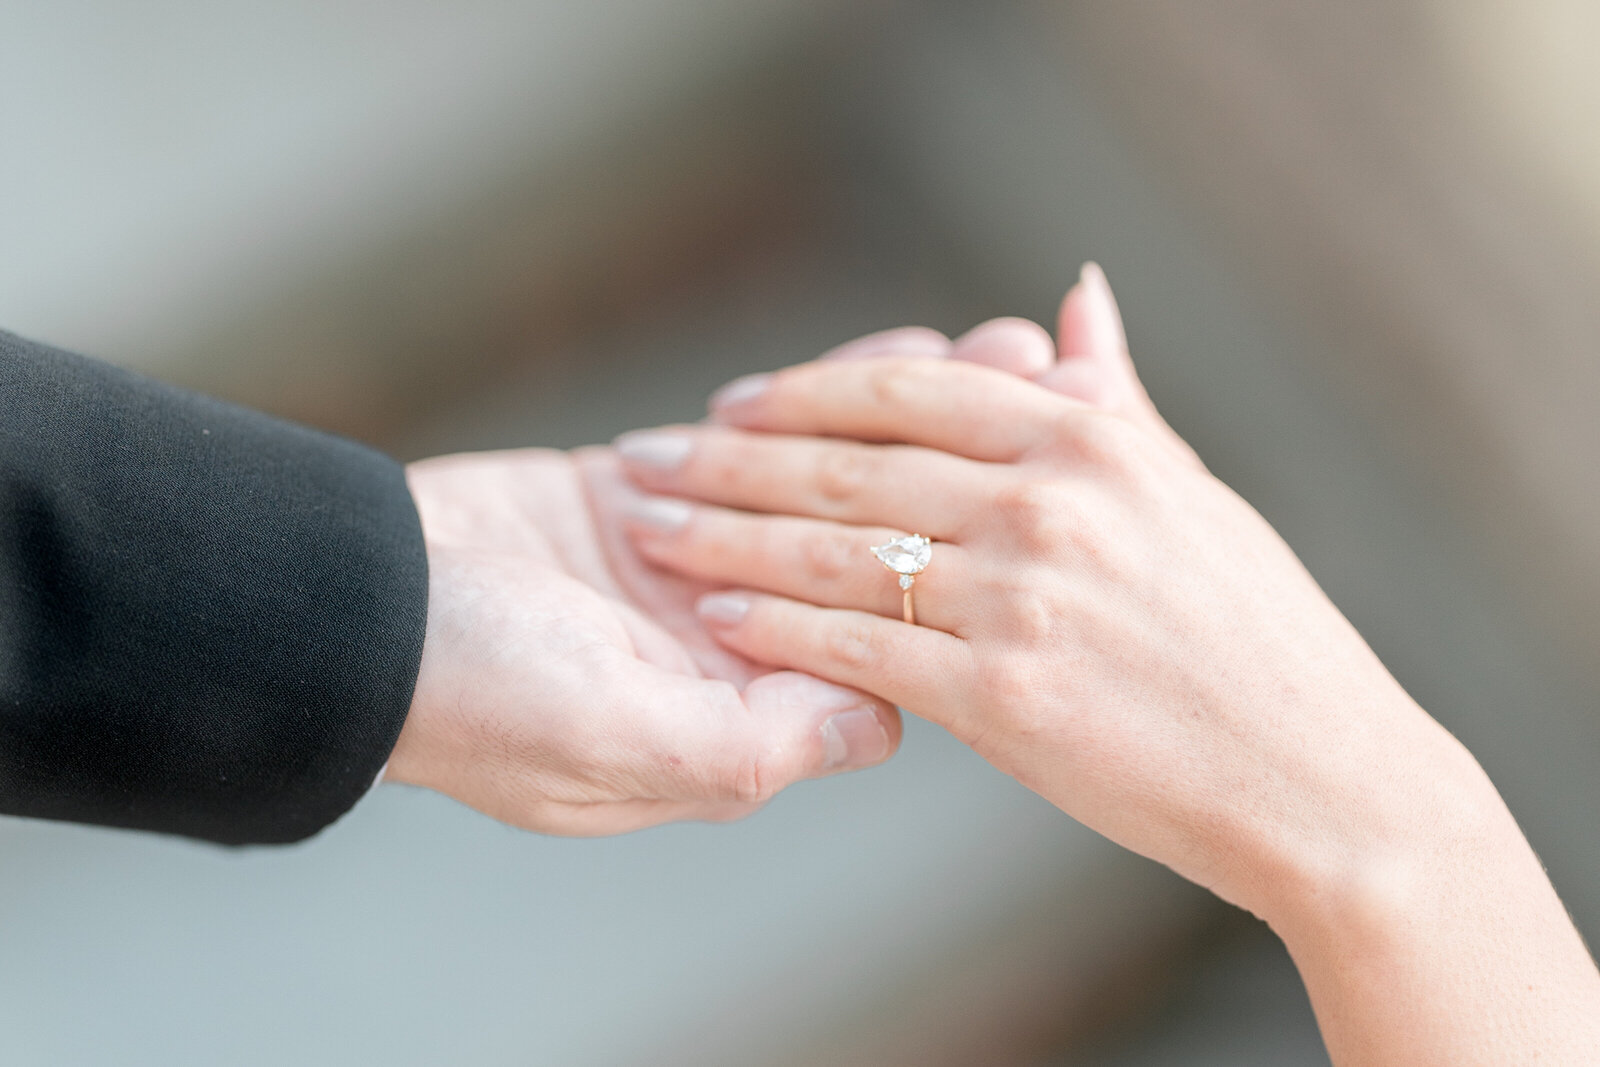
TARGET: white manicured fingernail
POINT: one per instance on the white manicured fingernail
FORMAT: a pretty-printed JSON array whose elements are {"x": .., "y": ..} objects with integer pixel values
[
  {"x": 654, "y": 449},
  {"x": 740, "y": 391},
  {"x": 658, "y": 513},
  {"x": 853, "y": 739},
  {"x": 723, "y": 609}
]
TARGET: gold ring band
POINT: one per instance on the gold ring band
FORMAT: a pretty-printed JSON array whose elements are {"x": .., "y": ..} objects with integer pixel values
[{"x": 907, "y": 557}]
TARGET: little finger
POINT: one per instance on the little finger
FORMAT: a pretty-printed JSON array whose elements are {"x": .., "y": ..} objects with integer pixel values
[{"x": 928, "y": 672}]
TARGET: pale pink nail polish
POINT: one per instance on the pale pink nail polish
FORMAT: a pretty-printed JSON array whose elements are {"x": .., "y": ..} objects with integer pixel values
[
  {"x": 740, "y": 391},
  {"x": 723, "y": 609},
  {"x": 656, "y": 449},
  {"x": 659, "y": 514}
]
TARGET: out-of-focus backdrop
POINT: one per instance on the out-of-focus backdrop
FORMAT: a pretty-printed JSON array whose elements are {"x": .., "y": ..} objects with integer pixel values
[{"x": 1357, "y": 244}]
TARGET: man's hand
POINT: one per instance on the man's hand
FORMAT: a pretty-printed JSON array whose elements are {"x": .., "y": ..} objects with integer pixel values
[{"x": 567, "y": 688}]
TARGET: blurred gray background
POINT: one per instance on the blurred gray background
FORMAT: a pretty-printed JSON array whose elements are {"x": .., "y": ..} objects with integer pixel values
[{"x": 1357, "y": 244}]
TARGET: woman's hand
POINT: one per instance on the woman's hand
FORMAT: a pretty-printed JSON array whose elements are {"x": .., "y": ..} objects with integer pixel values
[
  {"x": 1110, "y": 624},
  {"x": 1102, "y": 618}
]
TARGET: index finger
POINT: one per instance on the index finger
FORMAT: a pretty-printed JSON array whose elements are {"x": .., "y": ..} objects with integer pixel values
[{"x": 961, "y": 408}]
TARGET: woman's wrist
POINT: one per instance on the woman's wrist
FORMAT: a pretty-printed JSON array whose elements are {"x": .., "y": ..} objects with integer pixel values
[
  {"x": 1387, "y": 825},
  {"x": 1412, "y": 857},
  {"x": 1436, "y": 937}
]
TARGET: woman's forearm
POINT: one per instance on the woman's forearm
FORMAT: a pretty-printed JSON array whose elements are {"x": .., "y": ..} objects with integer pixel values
[{"x": 1443, "y": 943}]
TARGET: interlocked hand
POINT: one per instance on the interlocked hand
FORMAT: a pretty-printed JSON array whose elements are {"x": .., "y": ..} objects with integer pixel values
[{"x": 567, "y": 684}]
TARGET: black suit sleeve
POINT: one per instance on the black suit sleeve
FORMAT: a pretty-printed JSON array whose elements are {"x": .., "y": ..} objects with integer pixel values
[{"x": 210, "y": 621}]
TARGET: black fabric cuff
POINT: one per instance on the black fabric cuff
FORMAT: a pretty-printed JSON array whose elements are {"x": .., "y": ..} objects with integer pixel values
[{"x": 210, "y": 620}]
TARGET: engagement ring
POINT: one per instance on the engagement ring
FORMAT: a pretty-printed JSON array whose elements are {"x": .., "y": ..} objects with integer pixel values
[{"x": 907, "y": 557}]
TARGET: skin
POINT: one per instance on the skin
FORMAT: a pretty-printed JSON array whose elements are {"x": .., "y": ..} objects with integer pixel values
[
  {"x": 563, "y": 690},
  {"x": 569, "y": 687},
  {"x": 1110, "y": 624}
]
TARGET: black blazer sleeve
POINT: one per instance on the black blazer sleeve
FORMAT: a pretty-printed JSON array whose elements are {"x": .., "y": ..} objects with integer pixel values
[{"x": 210, "y": 621}]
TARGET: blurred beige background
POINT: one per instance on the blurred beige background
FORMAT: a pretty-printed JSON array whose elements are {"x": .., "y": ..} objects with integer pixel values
[{"x": 1358, "y": 248}]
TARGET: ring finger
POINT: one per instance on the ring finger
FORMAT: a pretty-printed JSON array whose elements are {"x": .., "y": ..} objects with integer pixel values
[{"x": 826, "y": 563}]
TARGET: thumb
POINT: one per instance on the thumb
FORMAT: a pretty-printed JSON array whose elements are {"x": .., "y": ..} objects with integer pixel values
[
  {"x": 727, "y": 746},
  {"x": 1094, "y": 364},
  {"x": 855, "y": 729}
]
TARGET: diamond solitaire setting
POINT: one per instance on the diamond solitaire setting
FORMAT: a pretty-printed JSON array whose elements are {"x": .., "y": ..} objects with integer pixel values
[{"x": 906, "y": 556}]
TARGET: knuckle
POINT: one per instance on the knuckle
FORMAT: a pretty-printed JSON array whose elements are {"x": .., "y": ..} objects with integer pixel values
[
  {"x": 748, "y": 769},
  {"x": 842, "y": 474},
  {"x": 852, "y": 647},
  {"x": 1012, "y": 696},
  {"x": 752, "y": 778},
  {"x": 722, "y": 458},
  {"x": 894, "y": 383},
  {"x": 829, "y": 557},
  {"x": 1107, "y": 443},
  {"x": 1034, "y": 619},
  {"x": 1037, "y": 513}
]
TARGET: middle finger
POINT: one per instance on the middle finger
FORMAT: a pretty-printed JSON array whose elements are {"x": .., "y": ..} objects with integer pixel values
[{"x": 929, "y": 492}]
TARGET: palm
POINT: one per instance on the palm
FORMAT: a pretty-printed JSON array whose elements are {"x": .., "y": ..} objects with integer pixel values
[
  {"x": 552, "y": 640},
  {"x": 562, "y": 510}
]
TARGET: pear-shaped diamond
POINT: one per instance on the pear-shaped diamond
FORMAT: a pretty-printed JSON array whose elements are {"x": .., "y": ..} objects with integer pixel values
[{"x": 905, "y": 555}]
